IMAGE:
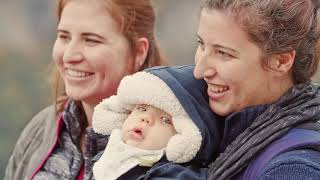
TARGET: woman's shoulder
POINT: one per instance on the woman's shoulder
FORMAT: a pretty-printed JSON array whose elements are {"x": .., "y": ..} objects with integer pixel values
[
  {"x": 39, "y": 124},
  {"x": 42, "y": 119},
  {"x": 296, "y": 164},
  {"x": 32, "y": 144}
]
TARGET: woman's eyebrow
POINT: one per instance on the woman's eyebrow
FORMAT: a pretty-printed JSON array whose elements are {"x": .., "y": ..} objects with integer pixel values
[
  {"x": 224, "y": 47},
  {"x": 92, "y": 34},
  {"x": 62, "y": 31},
  {"x": 220, "y": 46}
]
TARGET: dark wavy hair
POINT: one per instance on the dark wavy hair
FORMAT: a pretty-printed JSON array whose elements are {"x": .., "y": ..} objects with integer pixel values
[{"x": 278, "y": 26}]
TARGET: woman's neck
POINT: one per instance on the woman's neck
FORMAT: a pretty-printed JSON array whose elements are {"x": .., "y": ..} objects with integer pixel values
[
  {"x": 88, "y": 109},
  {"x": 276, "y": 89}
]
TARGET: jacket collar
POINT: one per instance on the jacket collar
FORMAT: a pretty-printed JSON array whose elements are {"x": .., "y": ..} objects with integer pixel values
[
  {"x": 237, "y": 122},
  {"x": 75, "y": 120},
  {"x": 76, "y": 125}
]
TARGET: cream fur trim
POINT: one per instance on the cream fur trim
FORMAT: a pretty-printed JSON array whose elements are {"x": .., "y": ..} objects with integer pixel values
[
  {"x": 118, "y": 158},
  {"x": 109, "y": 114},
  {"x": 146, "y": 88}
]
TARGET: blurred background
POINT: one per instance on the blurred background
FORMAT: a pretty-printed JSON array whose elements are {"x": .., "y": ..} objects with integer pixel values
[{"x": 27, "y": 33}]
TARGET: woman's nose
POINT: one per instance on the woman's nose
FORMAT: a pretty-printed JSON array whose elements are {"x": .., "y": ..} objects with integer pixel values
[
  {"x": 73, "y": 53},
  {"x": 203, "y": 68},
  {"x": 198, "y": 71}
]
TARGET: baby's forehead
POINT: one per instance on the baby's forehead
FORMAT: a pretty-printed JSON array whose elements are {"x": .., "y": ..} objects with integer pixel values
[{"x": 148, "y": 106}]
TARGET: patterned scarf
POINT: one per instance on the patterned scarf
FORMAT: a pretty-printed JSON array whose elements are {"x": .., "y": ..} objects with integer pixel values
[{"x": 300, "y": 104}]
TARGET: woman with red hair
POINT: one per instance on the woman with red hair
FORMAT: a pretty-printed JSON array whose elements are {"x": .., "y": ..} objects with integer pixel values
[{"x": 98, "y": 42}]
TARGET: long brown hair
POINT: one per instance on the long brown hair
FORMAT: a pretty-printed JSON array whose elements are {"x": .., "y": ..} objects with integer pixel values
[
  {"x": 136, "y": 19},
  {"x": 279, "y": 26}
]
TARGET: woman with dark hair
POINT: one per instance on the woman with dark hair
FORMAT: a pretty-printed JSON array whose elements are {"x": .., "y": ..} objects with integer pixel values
[
  {"x": 257, "y": 58},
  {"x": 98, "y": 43}
]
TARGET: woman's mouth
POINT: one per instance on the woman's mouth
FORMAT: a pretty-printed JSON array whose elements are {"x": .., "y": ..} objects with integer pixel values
[
  {"x": 216, "y": 92},
  {"x": 218, "y": 88},
  {"x": 77, "y": 73}
]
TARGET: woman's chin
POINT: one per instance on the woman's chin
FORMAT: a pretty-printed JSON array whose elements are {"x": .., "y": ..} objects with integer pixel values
[
  {"x": 219, "y": 109},
  {"x": 78, "y": 95}
]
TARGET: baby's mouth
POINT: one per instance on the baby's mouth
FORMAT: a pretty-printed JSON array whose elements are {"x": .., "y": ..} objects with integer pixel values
[{"x": 137, "y": 133}]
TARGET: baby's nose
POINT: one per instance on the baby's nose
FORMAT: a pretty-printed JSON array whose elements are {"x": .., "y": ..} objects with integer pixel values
[{"x": 147, "y": 120}]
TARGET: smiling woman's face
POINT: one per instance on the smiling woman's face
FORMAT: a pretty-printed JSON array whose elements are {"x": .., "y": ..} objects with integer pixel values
[
  {"x": 90, "y": 52},
  {"x": 231, "y": 65}
]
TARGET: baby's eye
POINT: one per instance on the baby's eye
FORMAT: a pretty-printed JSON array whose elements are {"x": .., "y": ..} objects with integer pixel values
[
  {"x": 141, "y": 108},
  {"x": 166, "y": 120}
]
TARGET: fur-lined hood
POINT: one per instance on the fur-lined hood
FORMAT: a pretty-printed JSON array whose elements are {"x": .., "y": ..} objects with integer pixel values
[{"x": 176, "y": 91}]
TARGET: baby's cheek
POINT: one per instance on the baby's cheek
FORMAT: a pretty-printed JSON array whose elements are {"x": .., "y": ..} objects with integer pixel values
[{"x": 124, "y": 135}]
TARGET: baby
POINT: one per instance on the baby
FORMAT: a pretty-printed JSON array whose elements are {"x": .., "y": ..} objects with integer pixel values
[{"x": 151, "y": 134}]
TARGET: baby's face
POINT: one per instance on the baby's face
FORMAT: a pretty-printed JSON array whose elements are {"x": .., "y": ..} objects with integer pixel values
[{"x": 148, "y": 128}]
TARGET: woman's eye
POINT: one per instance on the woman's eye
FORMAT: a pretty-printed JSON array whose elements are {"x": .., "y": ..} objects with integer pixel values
[
  {"x": 166, "y": 120},
  {"x": 224, "y": 54},
  {"x": 142, "y": 109},
  {"x": 63, "y": 37},
  {"x": 92, "y": 42},
  {"x": 201, "y": 45}
]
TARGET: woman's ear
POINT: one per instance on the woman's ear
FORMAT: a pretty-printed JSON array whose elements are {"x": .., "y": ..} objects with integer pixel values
[
  {"x": 282, "y": 63},
  {"x": 142, "y": 48}
]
